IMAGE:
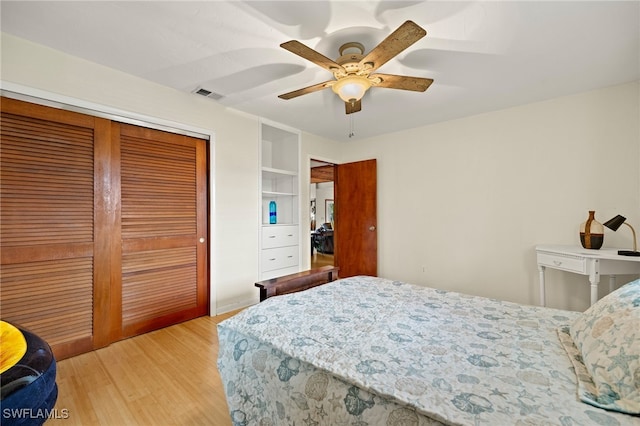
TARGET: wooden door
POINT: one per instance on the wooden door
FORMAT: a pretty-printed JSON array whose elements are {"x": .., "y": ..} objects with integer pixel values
[
  {"x": 55, "y": 246},
  {"x": 163, "y": 229},
  {"x": 356, "y": 235},
  {"x": 103, "y": 227}
]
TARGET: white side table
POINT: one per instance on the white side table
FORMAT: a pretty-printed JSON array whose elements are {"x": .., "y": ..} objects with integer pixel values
[{"x": 592, "y": 263}]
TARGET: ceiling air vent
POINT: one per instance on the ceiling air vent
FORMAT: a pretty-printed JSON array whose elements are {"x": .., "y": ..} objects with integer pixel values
[{"x": 207, "y": 93}]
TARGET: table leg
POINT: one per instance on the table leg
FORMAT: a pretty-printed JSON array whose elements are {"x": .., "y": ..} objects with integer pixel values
[
  {"x": 541, "y": 269},
  {"x": 593, "y": 266},
  {"x": 612, "y": 283},
  {"x": 594, "y": 280}
]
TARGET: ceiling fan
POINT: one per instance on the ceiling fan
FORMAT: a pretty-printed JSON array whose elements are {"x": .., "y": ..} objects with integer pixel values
[{"x": 353, "y": 70}]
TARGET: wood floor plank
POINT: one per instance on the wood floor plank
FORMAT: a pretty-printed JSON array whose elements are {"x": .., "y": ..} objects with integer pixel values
[
  {"x": 165, "y": 377},
  {"x": 320, "y": 259}
]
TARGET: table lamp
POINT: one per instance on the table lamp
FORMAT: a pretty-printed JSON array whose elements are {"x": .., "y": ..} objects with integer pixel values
[{"x": 614, "y": 224}]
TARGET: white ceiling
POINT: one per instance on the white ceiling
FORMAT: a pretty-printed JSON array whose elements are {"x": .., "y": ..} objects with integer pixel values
[{"x": 482, "y": 55}]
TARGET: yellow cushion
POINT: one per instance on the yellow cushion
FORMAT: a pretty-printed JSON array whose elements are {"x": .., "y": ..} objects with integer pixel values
[{"x": 13, "y": 346}]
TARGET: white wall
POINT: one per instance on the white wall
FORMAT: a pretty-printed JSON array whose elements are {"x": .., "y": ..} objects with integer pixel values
[
  {"x": 324, "y": 192},
  {"x": 468, "y": 200},
  {"x": 234, "y": 157}
]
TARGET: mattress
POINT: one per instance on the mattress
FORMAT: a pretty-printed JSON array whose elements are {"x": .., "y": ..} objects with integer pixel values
[{"x": 368, "y": 351}]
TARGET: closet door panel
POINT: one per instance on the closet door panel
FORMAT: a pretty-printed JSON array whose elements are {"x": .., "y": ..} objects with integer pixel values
[
  {"x": 163, "y": 192},
  {"x": 103, "y": 227},
  {"x": 47, "y": 189}
]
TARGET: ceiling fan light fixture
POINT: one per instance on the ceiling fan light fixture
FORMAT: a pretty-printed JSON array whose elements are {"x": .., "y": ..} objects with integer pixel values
[
  {"x": 352, "y": 70},
  {"x": 351, "y": 88}
]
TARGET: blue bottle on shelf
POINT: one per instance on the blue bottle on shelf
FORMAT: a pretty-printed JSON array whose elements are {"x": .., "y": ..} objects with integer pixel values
[{"x": 272, "y": 212}]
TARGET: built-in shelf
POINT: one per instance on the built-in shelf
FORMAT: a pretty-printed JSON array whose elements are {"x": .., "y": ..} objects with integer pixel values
[
  {"x": 279, "y": 182},
  {"x": 278, "y": 172},
  {"x": 270, "y": 194}
]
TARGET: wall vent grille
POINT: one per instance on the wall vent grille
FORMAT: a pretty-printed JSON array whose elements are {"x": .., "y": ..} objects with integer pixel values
[{"x": 207, "y": 93}]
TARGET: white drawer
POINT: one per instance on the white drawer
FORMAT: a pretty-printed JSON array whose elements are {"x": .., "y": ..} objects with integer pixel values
[
  {"x": 563, "y": 262},
  {"x": 281, "y": 257},
  {"x": 279, "y": 236},
  {"x": 279, "y": 273}
]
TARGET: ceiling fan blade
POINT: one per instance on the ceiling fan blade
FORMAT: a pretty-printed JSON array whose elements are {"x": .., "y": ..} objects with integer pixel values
[
  {"x": 351, "y": 107},
  {"x": 407, "y": 34},
  {"x": 294, "y": 46},
  {"x": 306, "y": 90},
  {"x": 416, "y": 84}
]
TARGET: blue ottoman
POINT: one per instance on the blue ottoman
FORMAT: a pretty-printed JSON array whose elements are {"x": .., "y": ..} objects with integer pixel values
[{"x": 29, "y": 391}]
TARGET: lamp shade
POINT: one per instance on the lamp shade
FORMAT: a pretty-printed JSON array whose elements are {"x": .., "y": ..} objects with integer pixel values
[
  {"x": 615, "y": 223},
  {"x": 352, "y": 88}
]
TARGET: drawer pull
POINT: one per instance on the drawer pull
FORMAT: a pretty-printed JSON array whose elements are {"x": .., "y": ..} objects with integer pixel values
[
  {"x": 272, "y": 236},
  {"x": 557, "y": 262},
  {"x": 289, "y": 257},
  {"x": 289, "y": 235},
  {"x": 272, "y": 259}
]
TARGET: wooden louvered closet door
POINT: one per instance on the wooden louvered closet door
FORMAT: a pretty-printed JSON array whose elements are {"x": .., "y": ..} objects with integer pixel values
[
  {"x": 100, "y": 227},
  {"x": 163, "y": 229},
  {"x": 54, "y": 260}
]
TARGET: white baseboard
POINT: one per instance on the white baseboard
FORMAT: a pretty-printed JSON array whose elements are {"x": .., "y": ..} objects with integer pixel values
[{"x": 223, "y": 309}]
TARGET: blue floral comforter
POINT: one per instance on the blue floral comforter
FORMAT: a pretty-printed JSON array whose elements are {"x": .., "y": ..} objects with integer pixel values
[{"x": 371, "y": 351}]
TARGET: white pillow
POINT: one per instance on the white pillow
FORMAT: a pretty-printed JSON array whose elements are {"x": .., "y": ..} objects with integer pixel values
[{"x": 607, "y": 339}]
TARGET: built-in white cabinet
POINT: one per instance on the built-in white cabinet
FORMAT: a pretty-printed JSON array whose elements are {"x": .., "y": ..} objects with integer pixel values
[{"x": 279, "y": 184}]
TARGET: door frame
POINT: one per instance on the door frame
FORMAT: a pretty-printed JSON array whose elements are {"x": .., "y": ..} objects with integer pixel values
[
  {"x": 305, "y": 241},
  {"x": 304, "y": 237},
  {"x": 55, "y": 100}
]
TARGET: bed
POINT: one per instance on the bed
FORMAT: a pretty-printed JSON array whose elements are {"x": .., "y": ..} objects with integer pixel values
[{"x": 372, "y": 351}]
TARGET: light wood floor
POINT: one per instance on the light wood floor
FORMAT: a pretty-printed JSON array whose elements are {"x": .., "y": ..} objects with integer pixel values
[
  {"x": 320, "y": 259},
  {"x": 166, "y": 377}
]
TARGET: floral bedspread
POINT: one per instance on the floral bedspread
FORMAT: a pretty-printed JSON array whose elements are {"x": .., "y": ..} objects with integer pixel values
[{"x": 371, "y": 351}]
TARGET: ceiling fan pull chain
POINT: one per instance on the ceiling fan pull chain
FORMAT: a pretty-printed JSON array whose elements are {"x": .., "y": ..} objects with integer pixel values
[{"x": 351, "y": 132}]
